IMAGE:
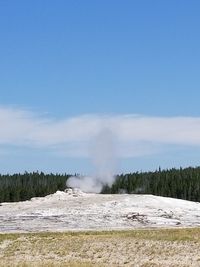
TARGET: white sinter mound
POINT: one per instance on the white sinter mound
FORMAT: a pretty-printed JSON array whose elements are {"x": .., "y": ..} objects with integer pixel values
[{"x": 75, "y": 210}]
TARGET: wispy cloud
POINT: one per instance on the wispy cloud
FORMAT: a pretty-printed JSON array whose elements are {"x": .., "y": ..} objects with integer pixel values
[{"x": 136, "y": 135}]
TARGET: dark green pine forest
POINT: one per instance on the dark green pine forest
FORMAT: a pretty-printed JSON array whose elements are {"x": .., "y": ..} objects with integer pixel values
[
  {"x": 176, "y": 183},
  {"x": 20, "y": 187}
]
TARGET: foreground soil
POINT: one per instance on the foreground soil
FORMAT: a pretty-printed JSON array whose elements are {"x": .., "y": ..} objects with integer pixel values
[{"x": 161, "y": 247}]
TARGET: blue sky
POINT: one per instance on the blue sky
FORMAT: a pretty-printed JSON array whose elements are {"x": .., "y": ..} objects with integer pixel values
[{"x": 61, "y": 60}]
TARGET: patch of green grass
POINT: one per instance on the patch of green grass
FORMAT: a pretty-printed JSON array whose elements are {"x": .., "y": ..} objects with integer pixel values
[
  {"x": 8, "y": 237},
  {"x": 180, "y": 234}
]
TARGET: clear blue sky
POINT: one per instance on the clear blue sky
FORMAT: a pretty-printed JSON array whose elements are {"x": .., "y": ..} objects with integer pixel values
[{"x": 68, "y": 58}]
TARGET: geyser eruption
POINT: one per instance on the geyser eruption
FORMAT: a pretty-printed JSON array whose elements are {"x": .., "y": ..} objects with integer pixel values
[{"x": 103, "y": 157}]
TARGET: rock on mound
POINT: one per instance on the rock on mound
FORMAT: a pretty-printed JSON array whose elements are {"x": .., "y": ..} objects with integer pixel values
[{"x": 75, "y": 192}]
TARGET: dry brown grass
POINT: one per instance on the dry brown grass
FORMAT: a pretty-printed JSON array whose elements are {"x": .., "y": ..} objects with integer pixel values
[{"x": 142, "y": 248}]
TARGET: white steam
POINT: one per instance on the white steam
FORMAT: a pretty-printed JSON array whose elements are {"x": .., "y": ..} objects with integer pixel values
[{"x": 103, "y": 157}]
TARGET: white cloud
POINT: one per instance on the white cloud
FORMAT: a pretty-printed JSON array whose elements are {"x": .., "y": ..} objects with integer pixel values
[{"x": 136, "y": 135}]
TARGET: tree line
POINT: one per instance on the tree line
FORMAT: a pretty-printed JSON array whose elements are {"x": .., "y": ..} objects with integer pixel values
[
  {"x": 178, "y": 183},
  {"x": 20, "y": 187}
]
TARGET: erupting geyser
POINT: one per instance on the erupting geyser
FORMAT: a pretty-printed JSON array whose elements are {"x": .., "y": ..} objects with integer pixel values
[{"x": 103, "y": 157}]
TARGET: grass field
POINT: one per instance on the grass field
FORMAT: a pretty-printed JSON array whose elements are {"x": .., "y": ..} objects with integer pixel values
[{"x": 142, "y": 248}]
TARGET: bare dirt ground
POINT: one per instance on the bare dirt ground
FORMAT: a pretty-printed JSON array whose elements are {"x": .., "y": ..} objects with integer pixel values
[{"x": 137, "y": 248}]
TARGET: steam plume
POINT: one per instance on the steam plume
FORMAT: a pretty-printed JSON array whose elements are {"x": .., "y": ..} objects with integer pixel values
[{"x": 104, "y": 162}]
